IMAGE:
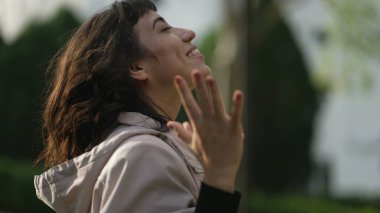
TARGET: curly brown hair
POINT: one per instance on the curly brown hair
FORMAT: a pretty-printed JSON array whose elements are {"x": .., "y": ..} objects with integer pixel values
[{"x": 91, "y": 84}]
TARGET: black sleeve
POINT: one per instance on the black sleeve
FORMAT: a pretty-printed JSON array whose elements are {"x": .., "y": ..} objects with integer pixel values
[{"x": 215, "y": 200}]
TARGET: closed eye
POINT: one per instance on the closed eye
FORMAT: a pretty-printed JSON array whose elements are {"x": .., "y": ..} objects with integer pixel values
[{"x": 166, "y": 29}]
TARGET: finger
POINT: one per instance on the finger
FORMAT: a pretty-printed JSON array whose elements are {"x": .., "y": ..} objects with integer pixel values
[
  {"x": 183, "y": 133},
  {"x": 217, "y": 98},
  {"x": 202, "y": 92},
  {"x": 237, "y": 109},
  {"x": 191, "y": 107},
  {"x": 187, "y": 126}
]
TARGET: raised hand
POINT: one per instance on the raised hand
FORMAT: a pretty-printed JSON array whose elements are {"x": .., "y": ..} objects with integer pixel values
[{"x": 216, "y": 136}]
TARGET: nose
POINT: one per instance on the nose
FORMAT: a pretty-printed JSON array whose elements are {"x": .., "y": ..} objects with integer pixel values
[{"x": 187, "y": 35}]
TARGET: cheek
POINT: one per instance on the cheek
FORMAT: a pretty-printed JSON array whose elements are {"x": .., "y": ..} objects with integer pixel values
[{"x": 172, "y": 60}]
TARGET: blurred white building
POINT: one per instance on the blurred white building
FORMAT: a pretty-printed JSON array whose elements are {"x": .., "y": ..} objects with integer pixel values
[
  {"x": 347, "y": 130},
  {"x": 197, "y": 15}
]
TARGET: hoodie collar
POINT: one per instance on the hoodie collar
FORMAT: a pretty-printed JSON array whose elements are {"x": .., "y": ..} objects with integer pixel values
[{"x": 137, "y": 119}]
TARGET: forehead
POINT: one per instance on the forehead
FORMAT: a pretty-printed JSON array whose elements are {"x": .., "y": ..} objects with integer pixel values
[
  {"x": 146, "y": 29},
  {"x": 148, "y": 21}
]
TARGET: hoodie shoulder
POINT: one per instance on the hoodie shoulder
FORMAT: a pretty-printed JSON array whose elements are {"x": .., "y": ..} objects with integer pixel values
[
  {"x": 139, "y": 173},
  {"x": 68, "y": 187}
]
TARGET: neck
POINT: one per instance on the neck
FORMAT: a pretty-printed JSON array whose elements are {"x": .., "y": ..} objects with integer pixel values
[
  {"x": 167, "y": 108},
  {"x": 165, "y": 102}
]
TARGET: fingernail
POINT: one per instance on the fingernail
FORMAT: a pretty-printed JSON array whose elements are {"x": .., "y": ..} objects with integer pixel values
[
  {"x": 239, "y": 96},
  {"x": 197, "y": 75},
  {"x": 178, "y": 80},
  {"x": 210, "y": 80}
]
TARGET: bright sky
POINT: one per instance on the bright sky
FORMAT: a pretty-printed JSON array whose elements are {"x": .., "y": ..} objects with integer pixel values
[{"x": 198, "y": 15}]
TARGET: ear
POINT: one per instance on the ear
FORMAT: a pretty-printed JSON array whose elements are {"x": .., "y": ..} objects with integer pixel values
[{"x": 138, "y": 72}]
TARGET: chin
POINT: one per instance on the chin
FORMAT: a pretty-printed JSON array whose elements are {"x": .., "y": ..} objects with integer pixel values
[{"x": 205, "y": 70}]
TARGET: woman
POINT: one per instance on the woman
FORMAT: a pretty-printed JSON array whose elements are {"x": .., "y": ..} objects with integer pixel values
[{"x": 107, "y": 114}]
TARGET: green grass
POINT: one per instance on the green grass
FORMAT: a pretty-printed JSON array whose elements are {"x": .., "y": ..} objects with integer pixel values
[{"x": 293, "y": 203}]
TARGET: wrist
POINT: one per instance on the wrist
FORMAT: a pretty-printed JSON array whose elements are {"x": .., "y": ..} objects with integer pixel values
[{"x": 220, "y": 180}]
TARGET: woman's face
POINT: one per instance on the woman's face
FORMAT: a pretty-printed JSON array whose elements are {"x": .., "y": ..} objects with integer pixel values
[{"x": 169, "y": 50}]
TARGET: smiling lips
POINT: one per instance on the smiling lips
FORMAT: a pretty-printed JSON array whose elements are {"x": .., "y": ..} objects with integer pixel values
[{"x": 194, "y": 52}]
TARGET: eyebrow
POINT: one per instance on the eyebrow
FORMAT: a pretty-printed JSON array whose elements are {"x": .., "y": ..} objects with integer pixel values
[{"x": 158, "y": 19}]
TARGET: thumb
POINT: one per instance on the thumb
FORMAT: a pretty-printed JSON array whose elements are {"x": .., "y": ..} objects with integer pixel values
[{"x": 183, "y": 133}]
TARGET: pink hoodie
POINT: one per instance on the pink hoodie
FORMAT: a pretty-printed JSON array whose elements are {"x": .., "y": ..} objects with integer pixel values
[{"x": 136, "y": 169}]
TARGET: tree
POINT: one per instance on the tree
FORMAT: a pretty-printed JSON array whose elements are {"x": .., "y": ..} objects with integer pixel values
[
  {"x": 281, "y": 104},
  {"x": 23, "y": 66},
  {"x": 2, "y": 44},
  {"x": 353, "y": 45}
]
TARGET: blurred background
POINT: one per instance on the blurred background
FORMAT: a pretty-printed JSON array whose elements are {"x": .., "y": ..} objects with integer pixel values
[{"x": 309, "y": 68}]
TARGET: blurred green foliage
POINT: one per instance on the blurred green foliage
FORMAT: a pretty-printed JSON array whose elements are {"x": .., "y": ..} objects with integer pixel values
[
  {"x": 22, "y": 78},
  {"x": 355, "y": 25},
  {"x": 351, "y": 49},
  {"x": 18, "y": 194},
  {"x": 208, "y": 46}
]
